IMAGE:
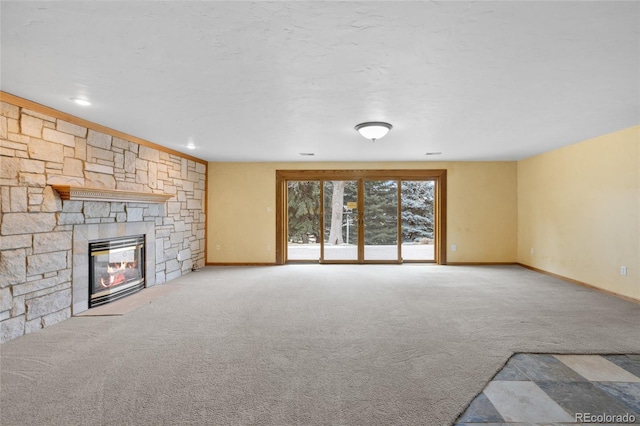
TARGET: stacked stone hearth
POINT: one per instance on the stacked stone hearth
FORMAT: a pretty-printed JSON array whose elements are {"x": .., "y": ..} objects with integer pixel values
[{"x": 38, "y": 230}]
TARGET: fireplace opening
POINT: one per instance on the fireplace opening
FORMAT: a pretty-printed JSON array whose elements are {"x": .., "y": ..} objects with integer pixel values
[{"x": 116, "y": 269}]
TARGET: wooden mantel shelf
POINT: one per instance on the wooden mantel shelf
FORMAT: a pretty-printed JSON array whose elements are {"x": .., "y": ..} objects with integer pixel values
[{"x": 79, "y": 193}]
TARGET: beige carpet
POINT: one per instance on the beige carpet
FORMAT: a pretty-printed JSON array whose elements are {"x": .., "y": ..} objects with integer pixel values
[{"x": 305, "y": 345}]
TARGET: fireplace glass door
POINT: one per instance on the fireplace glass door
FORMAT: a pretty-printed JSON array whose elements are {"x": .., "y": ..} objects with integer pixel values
[{"x": 116, "y": 269}]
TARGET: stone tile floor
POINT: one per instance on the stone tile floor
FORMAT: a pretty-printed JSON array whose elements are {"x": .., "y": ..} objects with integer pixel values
[{"x": 546, "y": 389}]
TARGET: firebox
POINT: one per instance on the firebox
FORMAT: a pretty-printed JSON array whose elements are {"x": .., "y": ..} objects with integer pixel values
[{"x": 116, "y": 269}]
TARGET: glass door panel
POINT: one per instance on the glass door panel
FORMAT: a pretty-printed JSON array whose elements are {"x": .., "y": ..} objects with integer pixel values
[
  {"x": 418, "y": 220},
  {"x": 303, "y": 221},
  {"x": 381, "y": 220},
  {"x": 340, "y": 220}
]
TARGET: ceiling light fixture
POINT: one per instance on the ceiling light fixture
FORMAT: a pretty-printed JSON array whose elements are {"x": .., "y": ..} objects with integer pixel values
[
  {"x": 433, "y": 153},
  {"x": 191, "y": 146},
  {"x": 82, "y": 102},
  {"x": 373, "y": 129}
]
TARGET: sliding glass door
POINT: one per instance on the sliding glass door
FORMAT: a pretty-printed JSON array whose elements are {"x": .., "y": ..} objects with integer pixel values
[
  {"x": 418, "y": 220},
  {"x": 341, "y": 230},
  {"x": 361, "y": 220},
  {"x": 303, "y": 224},
  {"x": 381, "y": 220}
]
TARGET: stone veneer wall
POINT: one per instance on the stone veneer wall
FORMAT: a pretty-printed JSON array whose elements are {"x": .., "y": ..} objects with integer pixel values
[{"x": 37, "y": 227}]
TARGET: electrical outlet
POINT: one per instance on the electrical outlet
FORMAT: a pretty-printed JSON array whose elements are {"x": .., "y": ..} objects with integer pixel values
[
  {"x": 268, "y": 247},
  {"x": 454, "y": 247},
  {"x": 531, "y": 250},
  {"x": 217, "y": 246},
  {"x": 179, "y": 257},
  {"x": 623, "y": 270}
]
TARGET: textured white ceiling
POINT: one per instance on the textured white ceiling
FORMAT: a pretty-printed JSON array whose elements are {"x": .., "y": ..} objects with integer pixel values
[{"x": 267, "y": 81}]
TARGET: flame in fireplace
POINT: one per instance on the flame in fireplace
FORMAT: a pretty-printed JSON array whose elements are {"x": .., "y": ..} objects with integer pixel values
[{"x": 119, "y": 273}]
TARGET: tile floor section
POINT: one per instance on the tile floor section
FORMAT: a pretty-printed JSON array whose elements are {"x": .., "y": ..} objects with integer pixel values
[{"x": 545, "y": 389}]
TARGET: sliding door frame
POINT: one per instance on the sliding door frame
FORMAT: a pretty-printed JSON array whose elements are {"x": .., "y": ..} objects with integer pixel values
[{"x": 439, "y": 176}]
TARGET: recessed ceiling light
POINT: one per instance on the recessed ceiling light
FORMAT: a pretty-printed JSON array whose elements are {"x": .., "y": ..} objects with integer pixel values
[
  {"x": 307, "y": 154},
  {"x": 433, "y": 153},
  {"x": 191, "y": 146},
  {"x": 82, "y": 102}
]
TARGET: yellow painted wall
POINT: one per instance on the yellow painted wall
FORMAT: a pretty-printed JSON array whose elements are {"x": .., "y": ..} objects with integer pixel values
[
  {"x": 481, "y": 208},
  {"x": 579, "y": 209}
]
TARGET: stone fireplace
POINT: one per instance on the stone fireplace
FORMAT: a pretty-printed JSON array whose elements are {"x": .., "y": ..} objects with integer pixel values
[
  {"x": 86, "y": 235},
  {"x": 66, "y": 183},
  {"x": 99, "y": 247}
]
